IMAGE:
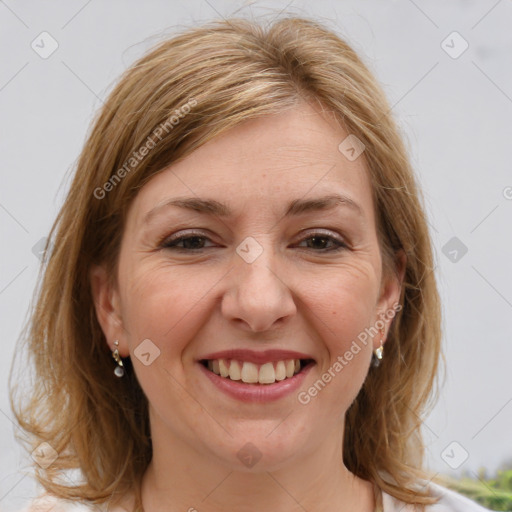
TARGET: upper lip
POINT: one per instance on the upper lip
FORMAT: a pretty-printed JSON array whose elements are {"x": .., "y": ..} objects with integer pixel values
[{"x": 256, "y": 357}]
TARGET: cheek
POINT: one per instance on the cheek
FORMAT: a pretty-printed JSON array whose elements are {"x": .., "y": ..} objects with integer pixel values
[
  {"x": 163, "y": 303},
  {"x": 343, "y": 302},
  {"x": 342, "y": 318},
  {"x": 165, "y": 306},
  {"x": 343, "y": 305}
]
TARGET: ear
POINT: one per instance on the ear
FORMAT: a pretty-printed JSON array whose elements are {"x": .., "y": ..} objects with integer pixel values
[
  {"x": 107, "y": 306},
  {"x": 391, "y": 289}
]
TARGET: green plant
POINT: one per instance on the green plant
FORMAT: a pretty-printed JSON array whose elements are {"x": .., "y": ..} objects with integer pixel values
[{"x": 495, "y": 493}]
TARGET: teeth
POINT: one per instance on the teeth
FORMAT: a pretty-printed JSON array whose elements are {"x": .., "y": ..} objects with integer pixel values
[
  {"x": 234, "y": 370},
  {"x": 290, "y": 367},
  {"x": 267, "y": 374},
  {"x": 280, "y": 370},
  {"x": 251, "y": 373},
  {"x": 223, "y": 368}
]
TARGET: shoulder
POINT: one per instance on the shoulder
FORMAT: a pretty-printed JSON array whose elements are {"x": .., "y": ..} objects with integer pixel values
[
  {"x": 449, "y": 501},
  {"x": 47, "y": 503}
]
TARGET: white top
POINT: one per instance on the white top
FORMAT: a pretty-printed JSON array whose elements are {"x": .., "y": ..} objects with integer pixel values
[{"x": 450, "y": 502}]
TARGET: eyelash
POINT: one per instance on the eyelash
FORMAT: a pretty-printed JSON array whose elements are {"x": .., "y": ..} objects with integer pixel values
[{"x": 170, "y": 243}]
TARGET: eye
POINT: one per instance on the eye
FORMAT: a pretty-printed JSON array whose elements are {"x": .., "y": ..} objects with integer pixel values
[
  {"x": 195, "y": 242},
  {"x": 191, "y": 242},
  {"x": 320, "y": 240}
]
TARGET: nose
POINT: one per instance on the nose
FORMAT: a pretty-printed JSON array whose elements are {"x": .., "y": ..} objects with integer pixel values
[{"x": 258, "y": 296}]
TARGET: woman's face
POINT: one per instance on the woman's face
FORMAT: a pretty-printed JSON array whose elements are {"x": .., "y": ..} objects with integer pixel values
[{"x": 255, "y": 260}]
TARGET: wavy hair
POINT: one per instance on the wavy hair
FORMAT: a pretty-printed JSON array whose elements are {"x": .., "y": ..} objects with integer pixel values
[{"x": 226, "y": 72}]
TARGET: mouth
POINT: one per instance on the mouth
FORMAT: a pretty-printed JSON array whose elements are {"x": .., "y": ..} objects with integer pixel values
[{"x": 257, "y": 374}]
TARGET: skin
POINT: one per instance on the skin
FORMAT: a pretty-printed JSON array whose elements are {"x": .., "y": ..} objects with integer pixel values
[{"x": 293, "y": 296}]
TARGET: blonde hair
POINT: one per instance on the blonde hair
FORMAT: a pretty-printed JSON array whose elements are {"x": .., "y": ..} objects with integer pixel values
[{"x": 226, "y": 72}]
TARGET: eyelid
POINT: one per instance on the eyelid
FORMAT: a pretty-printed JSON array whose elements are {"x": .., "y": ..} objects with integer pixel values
[
  {"x": 340, "y": 242},
  {"x": 326, "y": 232},
  {"x": 182, "y": 233}
]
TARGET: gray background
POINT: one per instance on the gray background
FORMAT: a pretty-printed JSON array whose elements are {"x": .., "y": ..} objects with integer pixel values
[{"x": 455, "y": 113}]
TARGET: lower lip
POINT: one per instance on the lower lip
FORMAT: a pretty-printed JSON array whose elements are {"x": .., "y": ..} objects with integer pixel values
[{"x": 257, "y": 392}]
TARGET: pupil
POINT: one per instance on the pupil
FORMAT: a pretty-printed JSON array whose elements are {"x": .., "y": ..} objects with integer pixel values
[
  {"x": 188, "y": 242},
  {"x": 316, "y": 239}
]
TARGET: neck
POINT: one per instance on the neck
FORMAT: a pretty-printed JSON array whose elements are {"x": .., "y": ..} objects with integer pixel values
[{"x": 181, "y": 477}]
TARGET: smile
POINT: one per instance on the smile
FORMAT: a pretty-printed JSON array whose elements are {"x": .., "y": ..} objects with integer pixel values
[{"x": 252, "y": 373}]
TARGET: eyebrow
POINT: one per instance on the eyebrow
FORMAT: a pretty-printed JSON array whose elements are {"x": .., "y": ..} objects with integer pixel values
[{"x": 295, "y": 207}]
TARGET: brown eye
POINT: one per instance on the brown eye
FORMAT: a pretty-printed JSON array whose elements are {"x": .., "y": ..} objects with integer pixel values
[
  {"x": 189, "y": 242},
  {"x": 320, "y": 241}
]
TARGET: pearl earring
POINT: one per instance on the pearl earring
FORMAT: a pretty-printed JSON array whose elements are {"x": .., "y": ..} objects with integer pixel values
[
  {"x": 119, "y": 369},
  {"x": 377, "y": 357}
]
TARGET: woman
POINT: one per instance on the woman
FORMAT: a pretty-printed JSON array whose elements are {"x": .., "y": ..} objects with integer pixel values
[{"x": 240, "y": 310}]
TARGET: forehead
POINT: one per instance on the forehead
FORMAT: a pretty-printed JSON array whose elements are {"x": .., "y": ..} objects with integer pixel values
[{"x": 263, "y": 164}]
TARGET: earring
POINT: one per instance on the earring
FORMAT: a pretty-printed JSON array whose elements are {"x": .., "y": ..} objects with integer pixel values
[
  {"x": 119, "y": 369},
  {"x": 377, "y": 353}
]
